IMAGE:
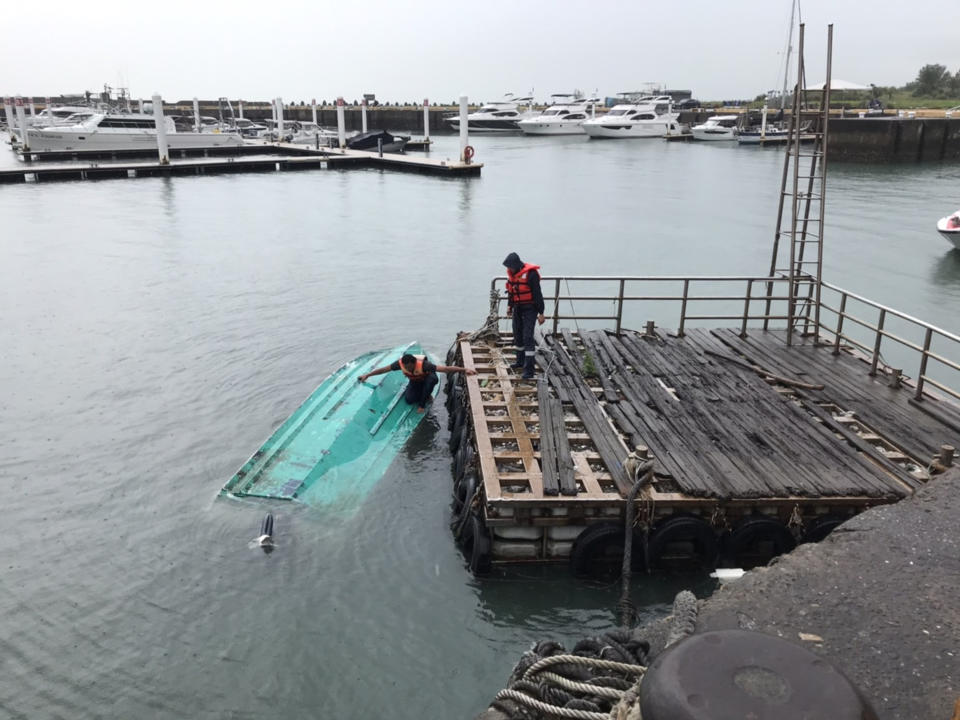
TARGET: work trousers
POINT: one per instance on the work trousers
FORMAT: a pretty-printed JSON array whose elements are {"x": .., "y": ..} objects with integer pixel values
[
  {"x": 524, "y": 321},
  {"x": 419, "y": 391}
]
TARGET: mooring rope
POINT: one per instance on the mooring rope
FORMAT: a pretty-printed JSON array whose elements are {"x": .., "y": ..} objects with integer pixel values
[{"x": 642, "y": 474}]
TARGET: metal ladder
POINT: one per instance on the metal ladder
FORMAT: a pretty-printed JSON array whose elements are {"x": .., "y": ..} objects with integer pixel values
[{"x": 803, "y": 186}]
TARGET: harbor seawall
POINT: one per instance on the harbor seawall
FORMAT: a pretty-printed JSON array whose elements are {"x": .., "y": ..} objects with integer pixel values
[{"x": 887, "y": 139}]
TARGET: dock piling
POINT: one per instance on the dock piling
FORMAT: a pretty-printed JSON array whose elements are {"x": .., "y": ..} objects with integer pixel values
[
  {"x": 341, "y": 128},
  {"x": 8, "y": 116},
  {"x": 363, "y": 115},
  {"x": 196, "y": 115},
  {"x": 313, "y": 107},
  {"x": 946, "y": 455},
  {"x": 161, "y": 126},
  {"x": 140, "y": 105},
  {"x": 22, "y": 124},
  {"x": 464, "y": 139},
  {"x": 240, "y": 109},
  {"x": 426, "y": 119},
  {"x": 33, "y": 108},
  {"x": 280, "y": 128}
]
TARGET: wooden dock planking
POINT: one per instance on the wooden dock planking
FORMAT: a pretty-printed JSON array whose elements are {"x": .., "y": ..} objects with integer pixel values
[
  {"x": 848, "y": 385},
  {"x": 721, "y": 434}
]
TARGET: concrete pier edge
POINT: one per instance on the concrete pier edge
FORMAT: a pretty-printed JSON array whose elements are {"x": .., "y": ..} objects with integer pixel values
[{"x": 879, "y": 598}]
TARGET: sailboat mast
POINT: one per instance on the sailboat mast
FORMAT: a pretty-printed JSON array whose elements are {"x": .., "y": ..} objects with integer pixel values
[{"x": 786, "y": 72}]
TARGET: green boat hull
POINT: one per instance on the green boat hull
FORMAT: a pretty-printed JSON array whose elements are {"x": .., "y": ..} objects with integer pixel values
[{"x": 339, "y": 442}]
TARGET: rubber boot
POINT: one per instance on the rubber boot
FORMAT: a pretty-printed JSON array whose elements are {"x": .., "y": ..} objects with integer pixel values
[
  {"x": 519, "y": 363},
  {"x": 528, "y": 368}
]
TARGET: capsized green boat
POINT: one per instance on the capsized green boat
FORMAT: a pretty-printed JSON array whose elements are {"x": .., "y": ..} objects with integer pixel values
[{"x": 339, "y": 442}]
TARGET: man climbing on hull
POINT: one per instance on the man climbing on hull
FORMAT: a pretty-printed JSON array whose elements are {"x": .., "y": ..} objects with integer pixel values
[{"x": 422, "y": 375}]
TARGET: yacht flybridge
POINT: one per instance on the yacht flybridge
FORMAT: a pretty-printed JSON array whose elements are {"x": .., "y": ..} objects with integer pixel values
[
  {"x": 122, "y": 131},
  {"x": 565, "y": 116},
  {"x": 500, "y": 116},
  {"x": 645, "y": 116}
]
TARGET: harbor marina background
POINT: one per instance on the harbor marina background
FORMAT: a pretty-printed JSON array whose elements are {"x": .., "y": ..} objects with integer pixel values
[{"x": 156, "y": 331}]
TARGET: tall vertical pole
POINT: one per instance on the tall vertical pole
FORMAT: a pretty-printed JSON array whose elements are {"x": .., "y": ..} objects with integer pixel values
[
  {"x": 33, "y": 108},
  {"x": 823, "y": 181},
  {"x": 795, "y": 200},
  {"x": 786, "y": 70},
  {"x": 464, "y": 139},
  {"x": 763, "y": 123},
  {"x": 363, "y": 115},
  {"x": 196, "y": 115},
  {"x": 426, "y": 119},
  {"x": 160, "y": 122},
  {"x": 240, "y": 109},
  {"x": 22, "y": 122},
  {"x": 280, "y": 127},
  {"x": 313, "y": 107},
  {"x": 273, "y": 114},
  {"x": 341, "y": 124},
  {"x": 8, "y": 114},
  {"x": 140, "y": 105}
]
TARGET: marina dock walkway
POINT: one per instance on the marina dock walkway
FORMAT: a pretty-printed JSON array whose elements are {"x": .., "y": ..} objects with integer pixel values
[{"x": 266, "y": 157}]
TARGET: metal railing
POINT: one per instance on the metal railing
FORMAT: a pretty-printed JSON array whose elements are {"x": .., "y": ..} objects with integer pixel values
[
  {"x": 873, "y": 332},
  {"x": 759, "y": 299}
]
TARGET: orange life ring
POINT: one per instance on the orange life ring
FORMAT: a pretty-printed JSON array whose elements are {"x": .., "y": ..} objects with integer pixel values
[{"x": 468, "y": 153}]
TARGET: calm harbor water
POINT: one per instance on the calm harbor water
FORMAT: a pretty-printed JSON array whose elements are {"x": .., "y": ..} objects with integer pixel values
[{"x": 155, "y": 331}]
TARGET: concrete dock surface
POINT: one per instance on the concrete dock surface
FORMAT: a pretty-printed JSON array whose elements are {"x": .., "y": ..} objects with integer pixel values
[{"x": 880, "y": 598}]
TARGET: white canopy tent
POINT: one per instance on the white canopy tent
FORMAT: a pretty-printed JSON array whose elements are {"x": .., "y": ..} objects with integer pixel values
[{"x": 837, "y": 84}]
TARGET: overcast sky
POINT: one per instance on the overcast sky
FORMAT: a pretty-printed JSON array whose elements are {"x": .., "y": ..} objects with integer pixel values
[{"x": 406, "y": 51}]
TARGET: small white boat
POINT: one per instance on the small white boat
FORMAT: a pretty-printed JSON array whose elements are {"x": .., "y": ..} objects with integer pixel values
[
  {"x": 122, "y": 131},
  {"x": 718, "y": 127},
  {"x": 949, "y": 227},
  {"x": 565, "y": 116},
  {"x": 649, "y": 116},
  {"x": 754, "y": 136}
]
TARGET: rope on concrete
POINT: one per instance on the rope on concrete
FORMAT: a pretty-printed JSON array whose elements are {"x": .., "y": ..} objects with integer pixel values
[{"x": 684, "y": 617}]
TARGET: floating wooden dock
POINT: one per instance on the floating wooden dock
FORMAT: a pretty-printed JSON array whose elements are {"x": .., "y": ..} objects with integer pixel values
[
  {"x": 755, "y": 444},
  {"x": 250, "y": 158}
]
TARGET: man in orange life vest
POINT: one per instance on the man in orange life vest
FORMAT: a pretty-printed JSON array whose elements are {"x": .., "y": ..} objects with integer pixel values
[
  {"x": 525, "y": 306},
  {"x": 422, "y": 375}
]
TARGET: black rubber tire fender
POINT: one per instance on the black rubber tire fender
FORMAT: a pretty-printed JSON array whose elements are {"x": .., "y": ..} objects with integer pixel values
[
  {"x": 456, "y": 434},
  {"x": 821, "y": 527},
  {"x": 477, "y": 547},
  {"x": 599, "y": 544},
  {"x": 679, "y": 528},
  {"x": 455, "y": 411},
  {"x": 755, "y": 529},
  {"x": 463, "y": 490},
  {"x": 465, "y": 457}
]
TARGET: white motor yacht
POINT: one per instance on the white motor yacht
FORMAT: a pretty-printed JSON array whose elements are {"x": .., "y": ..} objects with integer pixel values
[
  {"x": 949, "y": 227},
  {"x": 718, "y": 127},
  {"x": 127, "y": 131},
  {"x": 502, "y": 116},
  {"x": 648, "y": 116},
  {"x": 565, "y": 116}
]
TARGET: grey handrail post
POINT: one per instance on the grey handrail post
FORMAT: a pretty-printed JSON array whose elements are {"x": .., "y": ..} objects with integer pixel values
[
  {"x": 556, "y": 305},
  {"x": 876, "y": 344},
  {"x": 840, "y": 316},
  {"x": 683, "y": 307},
  {"x": 620, "y": 305},
  {"x": 927, "y": 338},
  {"x": 746, "y": 309}
]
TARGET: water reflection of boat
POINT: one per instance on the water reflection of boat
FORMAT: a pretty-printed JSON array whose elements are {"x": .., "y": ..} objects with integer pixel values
[{"x": 949, "y": 227}]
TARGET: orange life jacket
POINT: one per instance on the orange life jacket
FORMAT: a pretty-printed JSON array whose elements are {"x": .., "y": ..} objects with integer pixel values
[
  {"x": 518, "y": 288},
  {"x": 418, "y": 374}
]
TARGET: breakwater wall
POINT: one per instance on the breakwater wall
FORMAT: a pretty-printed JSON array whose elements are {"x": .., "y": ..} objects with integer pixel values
[{"x": 886, "y": 140}]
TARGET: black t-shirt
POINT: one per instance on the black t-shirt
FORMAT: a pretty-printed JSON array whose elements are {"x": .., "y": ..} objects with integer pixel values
[{"x": 428, "y": 367}]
